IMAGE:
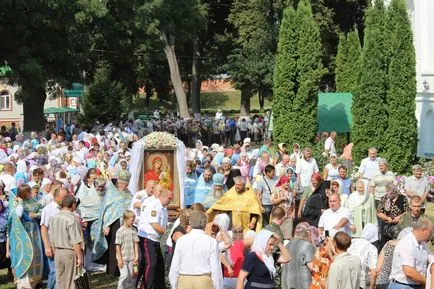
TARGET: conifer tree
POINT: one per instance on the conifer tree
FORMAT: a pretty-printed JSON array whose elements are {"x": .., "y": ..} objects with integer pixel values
[
  {"x": 369, "y": 105},
  {"x": 348, "y": 62},
  {"x": 401, "y": 133}
]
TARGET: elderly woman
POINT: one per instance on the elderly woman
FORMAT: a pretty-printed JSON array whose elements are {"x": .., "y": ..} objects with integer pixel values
[
  {"x": 283, "y": 197},
  {"x": 368, "y": 254},
  {"x": 331, "y": 170},
  {"x": 296, "y": 273},
  {"x": 362, "y": 206},
  {"x": 258, "y": 268},
  {"x": 390, "y": 209},
  {"x": 315, "y": 203}
]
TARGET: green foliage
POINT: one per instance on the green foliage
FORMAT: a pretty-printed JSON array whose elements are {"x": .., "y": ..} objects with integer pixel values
[
  {"x": 401, "y": 134},
  {"x": 297, "y": 75},
  {"x": 285, "y": 78},
  {"x": 369, "y": 106},
  {"x": 104, "y": 97},
  {"x": 348, "y": 62}
]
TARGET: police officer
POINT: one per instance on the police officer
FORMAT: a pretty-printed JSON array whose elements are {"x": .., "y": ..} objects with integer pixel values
[{"x": 152, "y": 226}]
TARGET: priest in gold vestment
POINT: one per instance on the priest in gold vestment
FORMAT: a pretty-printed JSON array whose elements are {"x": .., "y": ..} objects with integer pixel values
[{"x": 242, "y": 203}]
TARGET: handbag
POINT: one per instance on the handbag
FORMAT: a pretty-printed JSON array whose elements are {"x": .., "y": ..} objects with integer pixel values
[{"x": 82, "y": 280}]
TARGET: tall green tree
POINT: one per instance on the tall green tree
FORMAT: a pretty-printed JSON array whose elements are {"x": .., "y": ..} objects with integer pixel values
[
  {"x": 348, "y": 63},
  {"x": 103, "y": 98},
  {"x": 297, "y": 76},
  {"x": 47, "y": 44},
  {"x": 172, "y": 23},
  {"x": 251, "y": 64},
  {"x": 309, "y": 73},
  {"x": 401, "y": 133},
  {"x": 369, "y": 106},
  {"x": 285, "y": 78}
]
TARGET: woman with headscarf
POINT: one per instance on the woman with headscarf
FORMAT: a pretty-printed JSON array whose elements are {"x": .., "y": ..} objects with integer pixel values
[
  {"x": 315, "y": 202},
  {"x": 368, "y": 255},
  {"x": 21, "y": 173},
  {"x": 362, "y": 206},
  {"x": 258, "y": 268},
  {"x": 25, "y": 238},
  {"x": 392, "y": 206},
  {"x": 282, "y": 196},
  {"x": 296, "y": 274}
]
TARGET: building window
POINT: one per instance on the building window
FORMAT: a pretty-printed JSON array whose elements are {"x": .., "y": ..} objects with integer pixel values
[{"x": 5, "y": 100}]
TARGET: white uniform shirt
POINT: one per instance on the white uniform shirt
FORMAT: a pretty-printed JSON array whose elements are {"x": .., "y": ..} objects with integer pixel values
[
  {"x": 329, "y": 219},
  {"x": 369, "y": 168},
  {"x": 306, "y": 169},
  {"x": 410, "y": 253},
  {"x": 196, "y": 253},
  {"x": 140, "y": 196},
  {"x": 154, "y": 213}
]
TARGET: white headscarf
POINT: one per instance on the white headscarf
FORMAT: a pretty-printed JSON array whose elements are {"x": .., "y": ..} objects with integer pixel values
[
  {"x": 21, "y": 167},
  {"x": 370, "y": 233},
  {"x": 260, "y": 246},
  {"x": 223, "y": 221}
]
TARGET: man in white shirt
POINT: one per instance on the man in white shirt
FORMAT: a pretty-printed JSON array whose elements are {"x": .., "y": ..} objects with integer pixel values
[
  {"x": 196, "y": 262},
  {"x": 152, "y": 226},
  {"x": 139, "y": 197},
  {"x": 329, "y": 145},
  {"x": 369, "y": 166},
  {"x": 282, "y": 166},
  {"x": 336, "y": 218},
  {"x": 306, "y": 167},
  {"x": 410, "y": 258},
  {"x": 47, "y": 213}
]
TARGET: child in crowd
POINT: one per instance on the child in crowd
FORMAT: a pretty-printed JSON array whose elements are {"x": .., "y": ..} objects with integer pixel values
[{"x": 127, "y": 251}]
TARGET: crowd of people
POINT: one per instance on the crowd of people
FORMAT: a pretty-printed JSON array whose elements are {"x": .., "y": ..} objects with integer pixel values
[{"x": 253, "y": 216}]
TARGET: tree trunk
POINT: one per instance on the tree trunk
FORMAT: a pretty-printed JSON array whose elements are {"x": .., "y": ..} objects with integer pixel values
[
  {"x": 175, "y": 75},
  {"x": 261, "y": 99},
  {"x": 33, "y": 109},
  {"x": 195, "y": 80},
  {"x": 245, "y": 102},
  {"x": 148, "y": 93}
]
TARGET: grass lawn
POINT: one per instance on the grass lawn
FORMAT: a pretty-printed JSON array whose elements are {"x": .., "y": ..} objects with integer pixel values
[{"x": 210, "y": 102}]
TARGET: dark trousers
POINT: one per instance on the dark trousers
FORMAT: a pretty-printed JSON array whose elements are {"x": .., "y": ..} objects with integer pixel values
[
  {"x": 154, "y": 273},
  {"x": 266, "y": 215}
]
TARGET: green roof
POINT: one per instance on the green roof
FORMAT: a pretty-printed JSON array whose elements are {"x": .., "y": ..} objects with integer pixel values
[
  {"x": 58, "y": 110},
  {"x": 334, "y": 112}
]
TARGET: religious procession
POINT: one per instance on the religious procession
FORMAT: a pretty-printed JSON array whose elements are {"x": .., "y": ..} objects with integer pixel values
[{"x": 142, "y": 205}]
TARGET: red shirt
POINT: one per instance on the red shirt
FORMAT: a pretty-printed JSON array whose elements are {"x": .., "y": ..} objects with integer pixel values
[{"x": 236, "y": 252}]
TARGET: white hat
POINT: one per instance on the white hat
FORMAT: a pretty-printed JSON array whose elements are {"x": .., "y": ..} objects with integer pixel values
[{"x": 247, "y": 140}]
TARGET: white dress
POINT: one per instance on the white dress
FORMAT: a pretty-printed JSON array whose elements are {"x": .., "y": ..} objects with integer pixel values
[{"x": 333, "y": 173}]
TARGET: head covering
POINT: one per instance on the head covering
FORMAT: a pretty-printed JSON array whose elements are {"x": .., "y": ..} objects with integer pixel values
[
  {"x": 226, "y": 160},
  {"x": 247, "y": 140},
  {"x": 333, "y": 155},
  {"x": 250, "y": 234},
  {"x": 317, "y": 177},
  {"x": 218, "y": 179},
  {"x": 45, "y": 182},
  {"x": 223, "y": 221},
  {"x": 302, "y": 231},
  {"x": 260, "y": 246},
  {"x": 283, "y": 179},
  {"x": 370, "y": 233},
  {"x": 21, "y": 166},
  {"x": 124, "y": 177},
  {"x": 281, "y": 146}
]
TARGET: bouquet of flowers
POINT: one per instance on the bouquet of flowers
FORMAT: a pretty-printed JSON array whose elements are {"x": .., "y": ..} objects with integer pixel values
[{"x": 160, "y": 140}]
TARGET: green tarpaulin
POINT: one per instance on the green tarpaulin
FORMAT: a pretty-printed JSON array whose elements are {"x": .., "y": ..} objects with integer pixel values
[
  {"x": 334, "y": 112},
  {"x": 58, "y": 110}
]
